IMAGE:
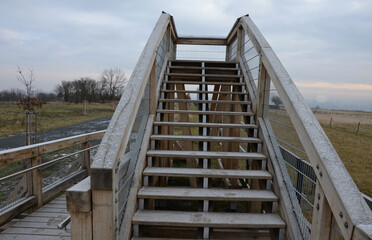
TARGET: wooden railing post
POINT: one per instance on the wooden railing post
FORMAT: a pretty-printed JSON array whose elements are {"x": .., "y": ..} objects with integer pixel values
[
  {"x": 263, "y": 92},
  {"x": 322, "y": 215},
  {"x": 79, "y": 204},
  {"x": 85, "y": 156},
  {"x": 37, "y": 185},
  {"x": 238, "y": 42},
  {"x": 169, "y": 39},
  {"x": 153, "y": 103}
]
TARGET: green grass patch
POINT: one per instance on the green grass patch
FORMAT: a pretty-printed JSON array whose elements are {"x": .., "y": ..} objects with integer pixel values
[{"x": 51, "y": 115}]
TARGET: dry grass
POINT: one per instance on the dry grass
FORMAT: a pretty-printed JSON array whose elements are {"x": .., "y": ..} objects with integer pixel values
[
  {"x": 355, "y": 149},
  {"x": 51, "y": 115}
]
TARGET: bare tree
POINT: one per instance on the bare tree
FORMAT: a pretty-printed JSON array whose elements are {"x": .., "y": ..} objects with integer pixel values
[
  {"x": 276, "y": 100},
  {"x": 113, "y": 80},
  {"x": 27, "y": 82}
]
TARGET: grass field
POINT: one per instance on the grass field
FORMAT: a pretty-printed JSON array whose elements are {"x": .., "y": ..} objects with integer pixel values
[
  {"x": 51, "y": 115},
  {"x": 355, "y": 149}
]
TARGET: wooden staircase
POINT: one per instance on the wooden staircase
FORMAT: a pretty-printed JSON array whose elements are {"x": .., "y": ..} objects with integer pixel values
[{"x": 206, "y": 177}]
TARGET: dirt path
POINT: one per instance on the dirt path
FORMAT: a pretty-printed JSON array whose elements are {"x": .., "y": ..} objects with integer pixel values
[{"x": 80, "y": 128}]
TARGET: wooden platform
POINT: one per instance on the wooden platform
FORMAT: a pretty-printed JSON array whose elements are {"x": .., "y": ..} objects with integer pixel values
[{"x": 41, "y": 224}]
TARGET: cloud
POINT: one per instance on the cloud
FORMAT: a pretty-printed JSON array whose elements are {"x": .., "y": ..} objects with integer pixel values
[
  {"x": 345, "y": 86},
  {"x": 11, "y": 35}
]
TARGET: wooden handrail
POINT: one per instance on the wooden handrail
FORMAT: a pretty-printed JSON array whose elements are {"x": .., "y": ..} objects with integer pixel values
[
  {"x": 32, "y": 153},
  {"x": 118, "y": 132},
  {"x": 21, "y": 153},
  {"x": 107, "y": 167},
  {"x": 346, "y": 202}
]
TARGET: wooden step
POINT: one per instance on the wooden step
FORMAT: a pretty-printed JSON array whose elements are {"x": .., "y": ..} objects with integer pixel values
[
  {"x": 201, "y": 154},
  {"x": 207, "y": 219},
  {"x": 205, "y": 138},
  {"x": 147, "y": 238},
  {"x": 198, "y": 91},
  {"x": 206, "y": 112},
  {"x": 204, "y": 75},
  {"x": 198, "y": 124},
  {"x": 208, "y": 173},
  {"x": 206, "y": 68},
  {"x": 209, "y": 83},
  {"x": 206, "y": 194},
  {"x": 205, "y": 101}
]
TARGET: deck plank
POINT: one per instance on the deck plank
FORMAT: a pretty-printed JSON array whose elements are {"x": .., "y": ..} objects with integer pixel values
[{"x": 42, "y": 224}]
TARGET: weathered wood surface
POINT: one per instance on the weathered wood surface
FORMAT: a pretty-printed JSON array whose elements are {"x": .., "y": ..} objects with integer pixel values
[
  {"x": 211, "y": 173},
  {"x": 339, "y": 188},
  {"x": 207, "y": 83},
  {"x": 26, "y": 152},
  {"x": 201, "y": 41},
  {"x": 207, "y": 219},
  {"x": 209, "y": 125},
  {"x": 206, "y": 194},
  {"x": 197, "y": 91},
  {"x": 115, "y": 140},
  {"x": 206, "y": 68},
  {"x": 207, "y": 112},
  {"x": 204, "y": 75},
  {"x": 201, "y": 154},
  {"x": 41, "y": 224},
  {"x": 205, "y": 138}
]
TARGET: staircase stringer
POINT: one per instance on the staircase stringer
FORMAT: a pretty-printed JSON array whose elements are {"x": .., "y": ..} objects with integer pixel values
[{"x": 281, "y": 186}]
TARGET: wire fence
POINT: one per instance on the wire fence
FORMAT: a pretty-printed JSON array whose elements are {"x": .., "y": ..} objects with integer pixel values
[{"x": 201, "y": 52}]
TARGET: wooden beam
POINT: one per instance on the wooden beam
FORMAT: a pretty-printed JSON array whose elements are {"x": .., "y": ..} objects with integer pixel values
[
  {"x": 322, "y": 216},
  {"x": 16, "y": 209},
  {"x": 201, "y": 41}
]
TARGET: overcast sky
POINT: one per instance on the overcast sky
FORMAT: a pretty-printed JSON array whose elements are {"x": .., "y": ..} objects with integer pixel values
[{"x": 326, "y": 46}]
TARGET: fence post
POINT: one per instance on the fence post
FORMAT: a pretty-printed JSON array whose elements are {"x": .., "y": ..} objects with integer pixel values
[
  {"x": 37, "y": 184},
  {"x": 330, "y": 123},
  {"x": 358, "y": 127},
  {"x": 85, "y": 156},
  {"x": 322, "y": 215}
]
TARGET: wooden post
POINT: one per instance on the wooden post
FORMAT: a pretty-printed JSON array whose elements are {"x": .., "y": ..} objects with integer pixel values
[
  {"x": 85, "y": 156},
  {"x": 322, "y": 216},
  {"x": 330, "y": 123},
  {"x": 35, "y": 132},
  {"x": 263, "y": 92},
  {"x": 79, "y": 204},
  {"x": 168, "y": 38},
  {"x": 37, "y": 187},
  {"x": 238, "y": 42},
  {"x": 358, "y": 127},
  {"x": 103, "y": 215},
  {"x": 153, "y": 103},
  {"x": 227, "y": 53}
]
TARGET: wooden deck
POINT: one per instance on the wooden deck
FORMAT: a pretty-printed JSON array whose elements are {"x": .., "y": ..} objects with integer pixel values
[{"x": 41, "y": 224}]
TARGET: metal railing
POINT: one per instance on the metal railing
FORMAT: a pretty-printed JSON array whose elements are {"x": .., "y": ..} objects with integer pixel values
[{"x": 31, "y": 175}]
